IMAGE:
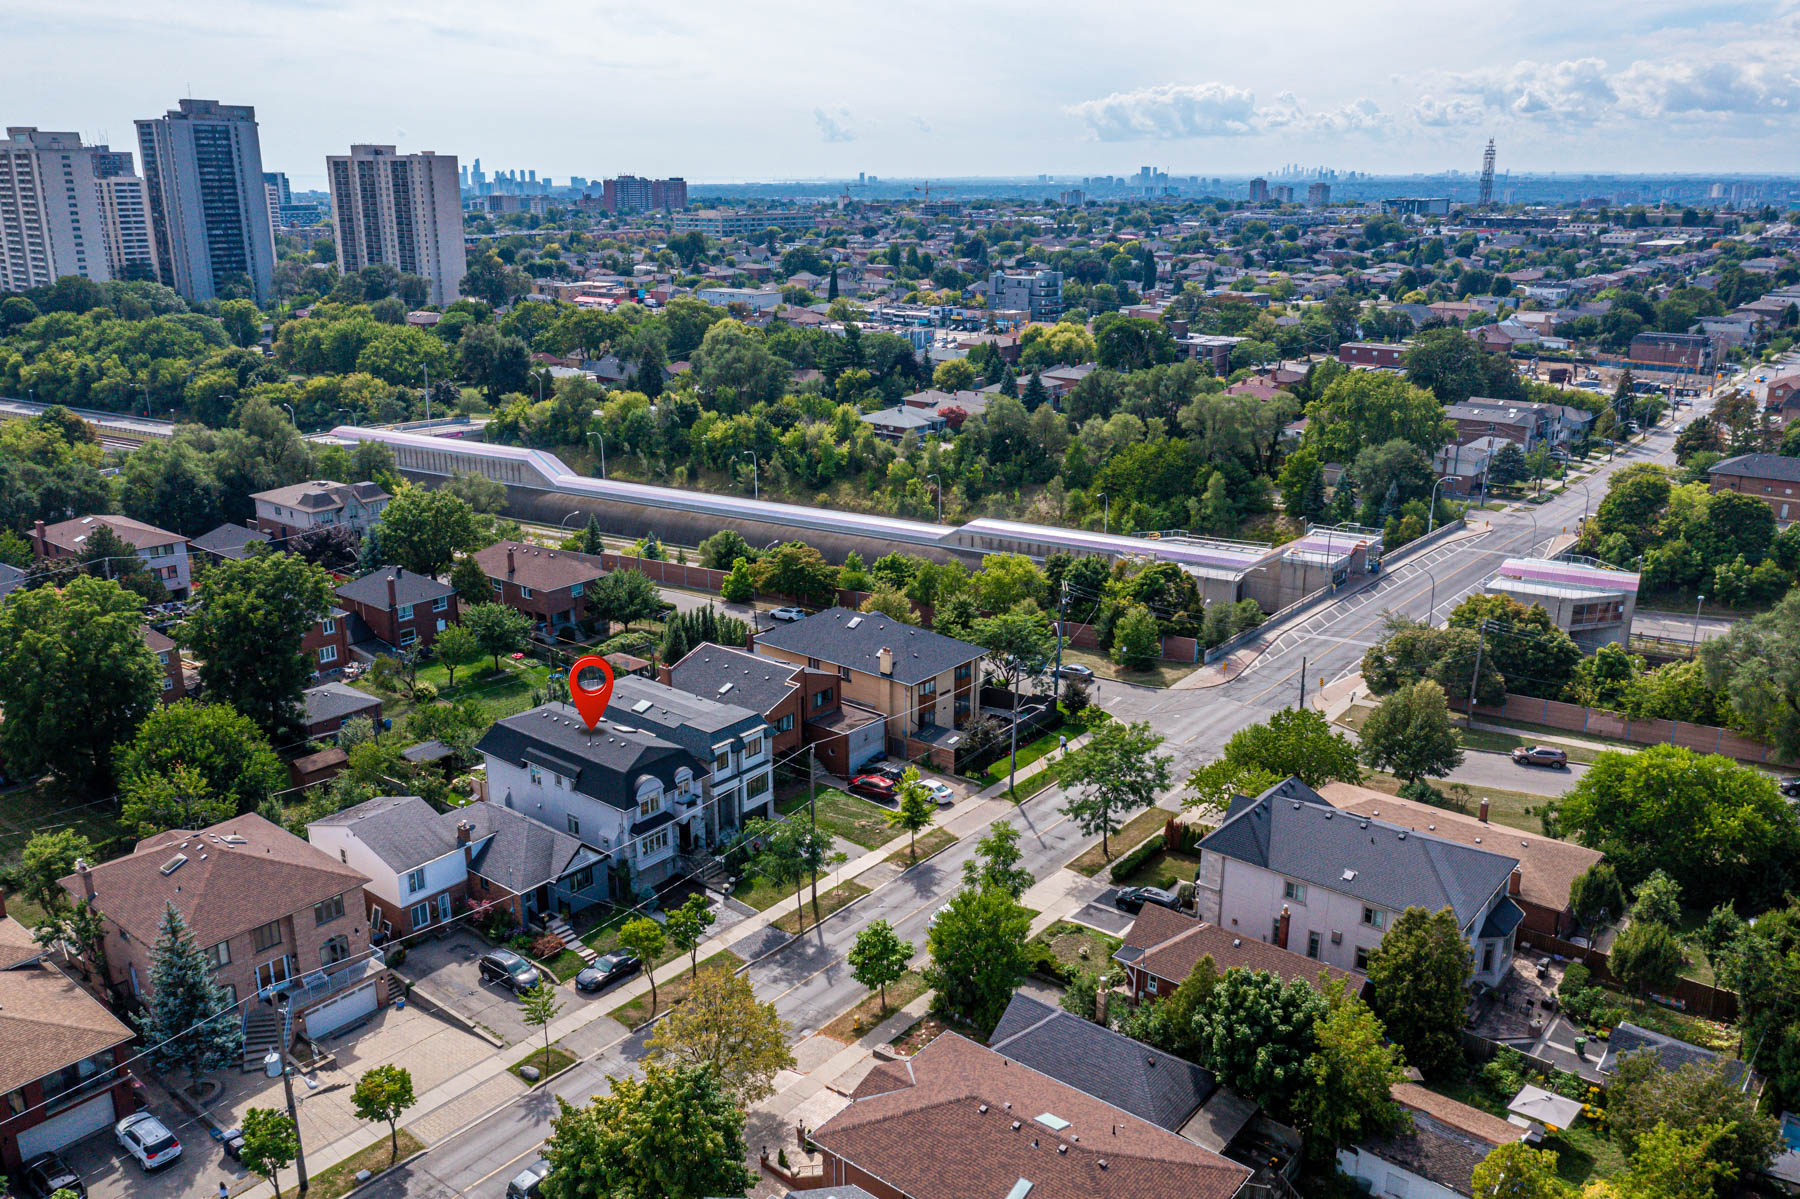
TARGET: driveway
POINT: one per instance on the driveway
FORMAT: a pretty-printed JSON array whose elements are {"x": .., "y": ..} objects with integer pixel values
[
  {"x": 444, "y": 970},
  {"x": 111, "y": 1173}
]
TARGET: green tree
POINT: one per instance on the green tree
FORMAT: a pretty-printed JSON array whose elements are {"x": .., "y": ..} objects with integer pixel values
[
  {"x": 385, "y": 1093},
  {"x": 1657, "y": 900},
  {"x": 470, "y": 581},
  {"x": 229, "y": 759},
  {"x": 498, "y": 629},
  {"x": 624, "y": 597},
  {"x": 723, "y": 1028},
  {"x": 1212, "y": 787},
  {"x": 1137, "y": 639},
  {"x": 1193, "y": 996},
  {"x": 721, "y": 550},
  {"x": 1756, "y": 666},
  {"x": 978, "y": 955},
  {"x": 106, "y": 556},
  {"x": 1296, "y": 743},
  {"x": 1360, "y": 409},
  {"x": 423, "y": 531},
  {"x": 1517, "y": 1171},
  {"x": 914, "y": 809},
  {"x": 247, "y": 631},
  {"x": 677, "y": 1134},
  {"x": 176, "y": 798},
  {"x": 47, "y": 858},
  {"x": 1421, "y": 973},
  {"x": 953, "y": 376},
  {"x": 1409, "y": 734},
  {"x": 1524, "y": 644},
  {"x": 1018, "y": 642},
  {"x": 455, "y": 646},
  {"x": 538, "y": 1009},
  {"x": 1258, "y": 1034},
  {"x": 739, "y": 584},
  {"x": 996, "y": 861},
  {"x": 879, "y": 957},
  {"x": 1644, "y": 1096},
  {"x": 686, "y": 928},
  {"x": 1121, "y": 771},
  {"x": 78, "y": 679},
  {"x": 645, "y": 937},
  {"x": 798, "y": 570},
  {"x": 1679, "y": 1163},
  {"x": 271, "y": 1143},
  {"x": 891, "y": 602},
  {"x": 1647, "y": 957},
  {"x": 188, "y": 1022},
  {"x": 1347, "y": 1093},
  {"x": 1596, "y": 895}
]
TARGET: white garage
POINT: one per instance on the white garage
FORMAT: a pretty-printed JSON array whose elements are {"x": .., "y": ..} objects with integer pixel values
[
  {"x": 65, "y": 1128},
  {"x": 864, "y": 743},
  {"x": 346, "y": 1009}
]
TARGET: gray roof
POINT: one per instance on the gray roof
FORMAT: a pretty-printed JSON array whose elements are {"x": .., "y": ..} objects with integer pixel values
[
  {"x": 410, "y": 587},
  {"x": 845, "y": 637},
  {"x": 11, "y": 577},
  {"x": 1292, "y": 831},
  {"x": 1432, "y": 1150},
  {"x": 691, "y": 721},
  {"x": 1128, "y": 1074},
  {"x": 514, "y": 850},
  {"x": 1760, "y": 466},
  {"x": 1628, "y": 1039},
  {"x": 321, "y": 495},
  {"x": 331, "y": 701},
  {"x": 230, "y": 541},
  {"x": 604, "y": 764},
  {"x": 401, "y": 830},
  {"x": 843, "y": 1192},
  {"x": 749, "y": 679}
]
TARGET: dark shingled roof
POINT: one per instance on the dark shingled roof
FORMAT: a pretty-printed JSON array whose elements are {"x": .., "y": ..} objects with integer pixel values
[
  {"x": 514, "y": 850},
  {"x": 1146, "y": 1082},
  {"x": 1434, "y": 1151},
  {"x": 919, "y": 654},
  {"x": 694, "y": 722},
  {"x": 604, "y": 764},
  {"x": 1170, "y": 944},
  {"x": 1760, "y": 466},
  {"x": 333, "y": 701},
  {"x": 410, "y": 587},
  {"x": 1628, "y": 1039},
  {"x": 230, "y": 541},
  {"x": 750, "y": 680},
  {"x": 1290, "y": 830},
  {"x": 402, "y": 830}
]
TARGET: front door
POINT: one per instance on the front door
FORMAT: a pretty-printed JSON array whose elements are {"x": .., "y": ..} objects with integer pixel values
[
  {"x": 541, "y": 901},
  {"x": 272, "y": 973}
]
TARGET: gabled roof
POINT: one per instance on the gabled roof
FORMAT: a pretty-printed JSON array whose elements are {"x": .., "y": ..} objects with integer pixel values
[
  {"x": 232, "y": 877},
  {"x": 959, "y": 1120},
  {"x": 736, "y": 676},
  {"x": 1148, "y": 1083},
  {"x": 72, "y": 535},
  {"x": 845, "y": 637},
  {"x": 410, "y": 587},
  {"x": 604, "y": 764},
  {"x": 17, "y": 945},
  {"x": 1169, "y": 945},
  {"x": 401, "y": 830},
  {"x": 514, "y": 850},
  {"x": 1760, "y": 466},
  {"x": 334, "y": 701},
  {"x": 322, "y": 495},
  {"x": 48, "y": 1022},
  {"x": 11, "y": 578},
  {"x": 536, "y": 567},
  {"x": 1291, "y": 830},
  {"x": 230, "y": 541}
]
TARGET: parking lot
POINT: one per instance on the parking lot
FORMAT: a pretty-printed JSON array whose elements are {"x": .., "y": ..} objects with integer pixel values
[{"x": 445, "y": 971}]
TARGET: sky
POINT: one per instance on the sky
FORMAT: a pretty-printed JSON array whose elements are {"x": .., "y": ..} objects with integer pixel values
[{"x": 728, "y": 90}]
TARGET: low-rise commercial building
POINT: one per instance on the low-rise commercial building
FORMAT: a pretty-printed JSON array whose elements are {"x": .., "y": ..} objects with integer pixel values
[{"x": 1592, "y": 602}]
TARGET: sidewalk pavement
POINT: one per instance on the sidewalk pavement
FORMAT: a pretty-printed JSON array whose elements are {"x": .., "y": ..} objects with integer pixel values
[{"x": 446, "y": 1109}]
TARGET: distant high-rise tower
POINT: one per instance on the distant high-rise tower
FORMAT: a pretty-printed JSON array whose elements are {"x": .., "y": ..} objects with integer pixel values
[
  {"x": 209, "y": 211},
  {"x": 1487, "y": 175},
  {"x": 50, "y": 220},
  {"x": 399, "y": 209}
]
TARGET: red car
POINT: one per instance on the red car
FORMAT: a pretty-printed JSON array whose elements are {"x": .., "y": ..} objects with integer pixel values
[{"x": 874, "y": 786}]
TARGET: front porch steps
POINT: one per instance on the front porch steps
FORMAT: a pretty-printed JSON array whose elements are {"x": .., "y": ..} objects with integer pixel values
[{"x": 559, "y": 927}]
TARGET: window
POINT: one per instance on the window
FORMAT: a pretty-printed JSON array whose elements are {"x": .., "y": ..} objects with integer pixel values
[
  {"x": 274, "y": 972},
  {"x": 405, "y": 611},
  {"x": 753, "y": 746},
  {"x": 574, "y": 589},
  {"x": 757, "y": 785},
  {"x": 1294, "y": 891},
  {"x": 928, "y": 687},
  {"x": 648, "y": 804},
  {"x": 824, "y": 699},
  {"x": 537, "y": 777},
  {"x": 498, "y": 586},
  {"x": 1487, "y": 958},
  {"x": 524, "y": 593},
  {"x": 266, "y": 937},
  {"x": 1362, "y": 958},
  {"x": 844, "y": 673},
  {"x": 1150, "y": 984},
  {"x": 327, "y": 653},
  {"x": 722, "y": 760},
  {"x": 441, "y": 604},
  {"x": 408, "y": 636},
  {"x": 558, "y": 780},
  {"x": 168, "y": 683},
  {"x": 813, "y": 662},
  {"x": 584, "y": 878},
  {"x": 328, "y": 626},
  {"x": 444, "y": 906},
  {"x": 77, "y": 1076},
  {"x": 335, "y": 950},
  {"x": 653, "y": 843},
  {"x": 574, "y": 826},
  {"x": 785, "y": 724},
  {"x": 963, "y": 672},
  {"x": 220, "y": 954},
  {"x": 420, "y": 915},
  {"x": 1312, "y": 945},
  {"x": 331, "y": 909},
  {"x": 1374, "y": 917},
  {"x": 415, "y": 881}
]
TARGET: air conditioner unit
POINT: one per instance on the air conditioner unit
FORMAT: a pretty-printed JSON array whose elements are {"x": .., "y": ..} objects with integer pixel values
[{"x": 1337, "y": 938}]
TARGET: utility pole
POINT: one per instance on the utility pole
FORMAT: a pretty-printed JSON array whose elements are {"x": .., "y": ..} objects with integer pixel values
[
  {"x": 1062, "y": 607},
  {"x": 812, "y": 795},
  {"x": 1303, "y": 683},
  {"x": 427, "y": 371},
  {"x": 287, "y": 1084},
  {"x": 1475, "y": 681}
]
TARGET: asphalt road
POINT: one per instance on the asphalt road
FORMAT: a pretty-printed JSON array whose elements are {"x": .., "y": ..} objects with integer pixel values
[{"x": 1480, "y": 769}]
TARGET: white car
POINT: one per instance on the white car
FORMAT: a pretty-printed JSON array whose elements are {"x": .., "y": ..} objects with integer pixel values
[
  {"x": 147, "y": 1139},
  {"x": 788, "y": 614},
  {"x": 932, "y": 923},
  {"x": 941, "y": 792}
]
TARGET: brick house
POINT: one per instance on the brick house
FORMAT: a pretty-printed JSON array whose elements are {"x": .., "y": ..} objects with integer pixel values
[
  {"x": 1781, "y": 399},
  {"x": 550, "y": 586},
  {"x": 289, "y": 511},
  {"x": 327, "y": 644},
  {"x": 786, "y": 695},
  {"x": 164, "y": 554},
  {"x": 61, "y": 1055},
  {"x": 276, "y": 916},
  {"x": 1526, "y": 424},
  {"x": 401, "y": 608},
  {"x": 168, "y": 655},
  {"x": 1162, "y": 948},
  {"x": 1769, "y": 477},
  {"x": 1382, "y": 354}
]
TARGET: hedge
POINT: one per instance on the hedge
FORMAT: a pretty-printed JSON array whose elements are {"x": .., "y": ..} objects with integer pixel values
[{"x": 1125, "y": 866}]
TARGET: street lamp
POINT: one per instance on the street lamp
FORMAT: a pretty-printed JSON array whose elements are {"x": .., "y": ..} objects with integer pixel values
[
  {"x": 291, "y": 415},
  {"x": 940, "y": 496},
  {"x": 1695, "y": 643},
  {"x": 427, "y": 371},
  {"x": 564, "y": 522},
  {"x": 1105, "y": 513},
  {"x": 1431, "y": 523},
  {"x": 755, "y": 473},
  {"x": 601, "y": 438}
]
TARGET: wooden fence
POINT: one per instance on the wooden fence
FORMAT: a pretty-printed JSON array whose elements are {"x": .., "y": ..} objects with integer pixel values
[{"x": 1690, "y": 995}]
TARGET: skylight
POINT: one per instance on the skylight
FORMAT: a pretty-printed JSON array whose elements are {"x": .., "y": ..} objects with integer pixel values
[
  {"x": 1020, "y": 1189},
  {"x": 175, "y": 863},
  {"x": 642, "y": 705},
  {"x": 1053, "y": 1123}
]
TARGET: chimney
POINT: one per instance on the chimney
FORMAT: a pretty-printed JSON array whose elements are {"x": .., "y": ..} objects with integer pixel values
[
  {"x": 37, "y": 540},
  {"x": 886, "y": 657},
  {"x": 464, "y": 832},
  {"x": 509, "y": 562},
  {"x": 665, "y": 674},
  {"x": 2, "y": 906},
  {"x": 750, "y": 639},
  {"x": 86, "y": 876},
  {"x": 393, "y": 594},
  {"x": 1281, "y": 931},
  {"x": 1513, "y": 881},
  {"x": 1484, "y": 810},
  {"x": 1101, "y": 996}
]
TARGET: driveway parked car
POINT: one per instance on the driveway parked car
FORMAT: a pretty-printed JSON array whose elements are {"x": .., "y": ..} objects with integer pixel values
[
  {"x": 45, "y": 1176},
  {"x": 1541, "y": 755},
  {"x": 941, "y": 793},
  {"x": 147, "y": 1139},
  {"x": 1133, "y": 899},
  {"x": 891, "y": 770},
  {"x": 607, "y": 970},
  {"x": 1074, "y": 670},
  {"x": 528, "y": 1182},
  {"x": 873, "y": 786},
  {"x": 506, "y": 967},
  {"x": 788, "y": 614}
]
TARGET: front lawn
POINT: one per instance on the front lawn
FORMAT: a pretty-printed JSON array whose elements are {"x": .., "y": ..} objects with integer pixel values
[
  {"x": 862, "y": 1019},
  {"x": 1163, "y": 869},
  {"x": 549, "y": 1062},
  {"x": 564, "y": 966},
  {"x": 930, "y": 841},
  {"x": 340, "y": 1179},
  {"x": 846, "y": 817},
  {"x": 1078, "y": 947},
  {"x": 829, "y": 902},
  {"x": 634, "y": 1012},
  {"x": 1029, "y": 752},
  {"x": 1137, "y": 830},
  {"x": 1163, "y": 674},
  {"x": 603, "y": 938}
]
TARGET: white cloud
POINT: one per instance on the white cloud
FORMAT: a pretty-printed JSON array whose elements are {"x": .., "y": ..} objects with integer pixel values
[
  {"x": 1170, "y": 111},
  {"x": 833, "y": 126},
  {"x": 1455, "y": 110}
]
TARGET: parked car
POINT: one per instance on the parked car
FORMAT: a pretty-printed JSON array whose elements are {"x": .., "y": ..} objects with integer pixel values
[
  {"x": 46, "y": 1175},
  {"x": 1541, "y": 755},
  {"x": 1133, "y": 899},
  {"x": 608, "y": 969},
  {"x": 148, "y": 1140},
  {"x": 936, "y": 916},
  {"x": 506, "y": 967},
  {"x": 788, "y": 614},
  {"x": 1074, "y": 670},
  {"x": 941, "y": 792},
  {"x": 873, "y": 786},
  {"x": 1790, "y": 786},
  {"x": 891, "y": 770},
  {"x": 528, "y": 1182}
]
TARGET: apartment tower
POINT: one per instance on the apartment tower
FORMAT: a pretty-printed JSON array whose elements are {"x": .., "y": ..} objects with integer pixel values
[
  {"x": 401, "y": 209},
  {"x": 50, "y": 223},
  {"x": 208, "y": 212}
]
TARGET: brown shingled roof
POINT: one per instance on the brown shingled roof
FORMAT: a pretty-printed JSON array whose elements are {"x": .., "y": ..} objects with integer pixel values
[
  {"x": 239, "y": 874},
  {"x": 932, "y": 1140},
  {"x": 47, "y": 1022},
  {"x": 1546, "y": 866},
  {"x": 538, "y": 568},
  {"x": 16, "y": 943},
  {"x": 1459, "y": 1116},
  {"x": 1173, "y": 945}
]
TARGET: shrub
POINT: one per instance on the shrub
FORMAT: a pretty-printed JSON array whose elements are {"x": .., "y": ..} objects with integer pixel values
[
  {"x": 1123, "y": 868},
  {"x": 394, "y": 955},
  {"x": 424, "y": 692},
  {"x": 521, "y": 942},
  {"x": 1575, "y": 978},
  {"x": 546, "y": 946}
]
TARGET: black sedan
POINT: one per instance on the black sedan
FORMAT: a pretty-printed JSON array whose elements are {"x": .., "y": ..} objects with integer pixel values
[
  {"x": 607, "y": 970},
  {"x": 49, "y": 1174},
  {"x": 509, "y": 969},
  {"x": 1790, "y": 786},
  {"x": 1133, "y": 899}
]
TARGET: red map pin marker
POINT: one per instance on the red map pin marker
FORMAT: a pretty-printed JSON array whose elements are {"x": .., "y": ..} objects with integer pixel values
[{"x": 590, "y": 701}]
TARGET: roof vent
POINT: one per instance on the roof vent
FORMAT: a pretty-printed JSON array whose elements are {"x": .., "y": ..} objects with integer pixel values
[
  {"x": 1237, "y": 942},
  {"x": 1329, "y": 815},
  {"x": 1364, "y": 824},
  {"x": 1016, "y": 1125},
  {"x": 1102, "y": 1163},
  {"x": 1403, "y": 834},
  {"x": 1062, "y": 1148},
  {"x": 982, "y": 1109},
  {"x": 1431, "y": 828},
  {"x": 1478, "y": 840},
  {"x": 173, "y": 864},
  {"x": 1349, "y": 875},
  {"x": 643, "y": 705}
]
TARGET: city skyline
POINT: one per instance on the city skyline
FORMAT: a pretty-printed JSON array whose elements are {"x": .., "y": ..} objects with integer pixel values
[{"x": 1609, "y": 88}]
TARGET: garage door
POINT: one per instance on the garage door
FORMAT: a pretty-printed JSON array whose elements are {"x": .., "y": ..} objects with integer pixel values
[
  {"x": 65, "y": 1128},
  {"x": 865, "y": 743},
  {"x": 328, "y": 1017}
]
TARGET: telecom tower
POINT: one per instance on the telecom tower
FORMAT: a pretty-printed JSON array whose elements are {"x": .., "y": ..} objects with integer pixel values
[{"x": 1487, "y": 175}]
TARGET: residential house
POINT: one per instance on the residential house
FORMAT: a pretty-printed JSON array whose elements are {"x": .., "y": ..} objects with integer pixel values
[
  {"x": 276, "y": 917},
  {"x": 1290, "y": 868},
  {"x": 1547, "y": 867},
  {"x": 164, "y": 554},
  {"x": 328, "y": 707},
  {"x": 958, "y": 1120},
  {"x": 1526, "y": 424},
  {"x": 896, "y": 422},
  {"x": 617, "y": 787},
  {"x": 286, "y": 512},
  {"x": 1781, "y": 399},
  {"x": 732, "y": 740},
  {"x": 1769, "y": 477},
  {"x": 787, "y": 696},
  {"x": 1162, "y": 947},
  {"x": 398, "y": 608},
  {"x": 1433, "y": 1154},
  {"x": 1380, "y": 354},
  {"x": 550, "y": 586},
  {"x": 327, "y": 643},
  {"x": 168, "y": 656},
  {"x": 61, "y": 1055},
  {"x": 11, "y": 579},
  {"x": 923, "y": 683},
  {"x": 228, "y": 542},
  {"x": 1465, "y": 467}
]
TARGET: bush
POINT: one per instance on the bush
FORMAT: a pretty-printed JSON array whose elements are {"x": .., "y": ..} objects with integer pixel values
[
  {"x": 394, "y": 955},
  {"x": 1575, "y": 978},
  {"x": 521, "y": 942},
  {"x": 424, "y": 692},
  {"x": 1044, "y": 961},
  {"x": 1420, "y": 791},
  {"x": 1123, "y": 868},
  {"x": 546, "y": 946}
]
